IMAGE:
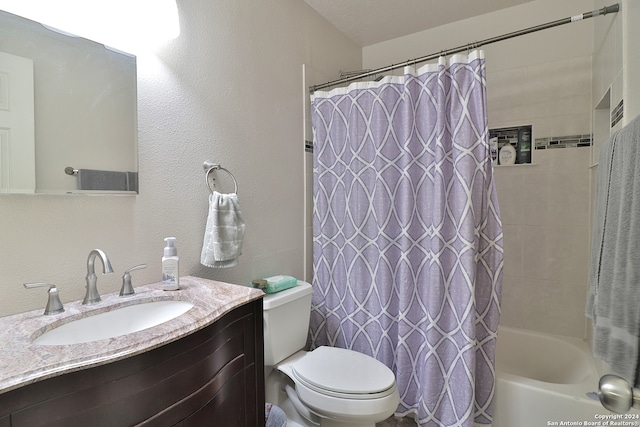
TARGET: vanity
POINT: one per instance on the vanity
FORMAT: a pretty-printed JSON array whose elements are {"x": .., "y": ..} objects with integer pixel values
[{"x": 203, "y": 367}]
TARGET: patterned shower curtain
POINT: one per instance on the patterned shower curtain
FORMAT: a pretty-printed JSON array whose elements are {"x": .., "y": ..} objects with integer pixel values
[{"x": 407, "y": 237}]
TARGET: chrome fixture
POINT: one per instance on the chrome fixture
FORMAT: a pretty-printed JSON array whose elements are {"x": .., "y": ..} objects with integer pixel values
[
  {"x": 127, "y": 287},
  {"x": 617, "y": 395},
  {"x": 614, "y": 8},
  {"x": 349, "y": 74},
  {"x": 210, "y": 167},
  {"x": 54, "y": 306},
  {"x": 92, "y": 296}
]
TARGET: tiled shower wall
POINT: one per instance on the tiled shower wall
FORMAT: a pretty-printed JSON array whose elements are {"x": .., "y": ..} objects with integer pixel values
[
  {"x": 545, "y": 215},
  {"x": 545, "y": 206}
]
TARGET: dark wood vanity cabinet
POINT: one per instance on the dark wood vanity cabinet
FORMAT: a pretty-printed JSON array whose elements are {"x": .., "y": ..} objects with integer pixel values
[{"x": 212, "y": 377}]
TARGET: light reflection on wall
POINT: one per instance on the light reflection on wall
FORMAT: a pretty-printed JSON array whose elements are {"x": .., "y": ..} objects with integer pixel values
[{"x": 130, "y": 26}]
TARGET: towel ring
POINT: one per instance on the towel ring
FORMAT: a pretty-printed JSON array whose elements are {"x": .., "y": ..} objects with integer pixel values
[{"x": 210, "y": 167}]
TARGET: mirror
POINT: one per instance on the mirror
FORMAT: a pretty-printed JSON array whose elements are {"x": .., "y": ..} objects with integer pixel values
[{"x": 66, "y": 103}]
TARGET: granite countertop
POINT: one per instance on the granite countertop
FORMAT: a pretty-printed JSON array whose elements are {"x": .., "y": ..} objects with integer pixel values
[{"x": 23, "y": 362}]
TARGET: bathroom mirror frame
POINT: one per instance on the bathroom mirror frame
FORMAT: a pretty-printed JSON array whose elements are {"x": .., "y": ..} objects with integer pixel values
[{"x": 84, "y": 109}]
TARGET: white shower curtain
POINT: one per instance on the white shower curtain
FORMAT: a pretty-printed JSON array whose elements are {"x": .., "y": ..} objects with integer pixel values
[{"x": 407, "y": 235}]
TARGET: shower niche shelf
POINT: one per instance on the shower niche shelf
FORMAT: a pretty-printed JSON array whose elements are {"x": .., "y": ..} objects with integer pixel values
[
  {"x": 515, "y": 166},
  {"x": 517, "y": 140}
]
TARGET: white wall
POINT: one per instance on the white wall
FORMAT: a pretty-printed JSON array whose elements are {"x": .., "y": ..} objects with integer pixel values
[
  {"x": 229, "y": 90},
  {"x": 542, "y": 79},
  {"x": 616, "y": 60}
]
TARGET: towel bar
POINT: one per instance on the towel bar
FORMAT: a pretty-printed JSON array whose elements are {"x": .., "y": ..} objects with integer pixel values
[{"x": 209, "y": 167}]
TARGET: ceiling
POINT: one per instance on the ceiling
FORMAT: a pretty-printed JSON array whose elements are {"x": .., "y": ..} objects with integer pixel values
[{"x": 368, "y": 22}]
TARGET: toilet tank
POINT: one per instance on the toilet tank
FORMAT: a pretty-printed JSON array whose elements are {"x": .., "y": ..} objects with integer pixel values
[{"x": 286, "y": 322}]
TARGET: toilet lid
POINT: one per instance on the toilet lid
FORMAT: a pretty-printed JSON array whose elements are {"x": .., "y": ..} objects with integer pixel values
[{"x": 344, "y": 371}]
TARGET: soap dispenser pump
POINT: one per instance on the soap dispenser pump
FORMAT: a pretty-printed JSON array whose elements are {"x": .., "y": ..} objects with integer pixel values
[{"x": 170, "y": 272}]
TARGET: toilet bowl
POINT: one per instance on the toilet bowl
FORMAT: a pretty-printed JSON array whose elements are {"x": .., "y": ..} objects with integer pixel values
[{"x": 327, "y": 386}]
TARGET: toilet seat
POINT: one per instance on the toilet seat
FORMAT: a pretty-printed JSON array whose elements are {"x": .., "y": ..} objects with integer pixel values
[
  {"x": 340, "y": 385},
  {"x": 344, "y": 374}
]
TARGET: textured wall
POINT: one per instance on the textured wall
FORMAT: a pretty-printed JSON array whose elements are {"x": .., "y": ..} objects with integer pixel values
[{"x": 230, "y": 90}]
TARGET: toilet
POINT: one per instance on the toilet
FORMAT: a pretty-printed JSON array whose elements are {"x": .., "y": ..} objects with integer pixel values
[{"x": 328, "y": 386}]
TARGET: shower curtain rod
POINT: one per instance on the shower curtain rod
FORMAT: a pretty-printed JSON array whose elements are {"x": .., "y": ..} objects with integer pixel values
[{"x": 607, "y": 9}]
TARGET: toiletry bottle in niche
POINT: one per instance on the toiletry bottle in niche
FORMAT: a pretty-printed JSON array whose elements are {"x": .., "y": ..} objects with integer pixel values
[
  {"x": 493, "y": 149},
  {"x": 170, "y": 272},
  {"x": 524, "y": 145}
]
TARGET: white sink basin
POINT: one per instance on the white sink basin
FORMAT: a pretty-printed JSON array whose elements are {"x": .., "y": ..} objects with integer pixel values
[{"x": 114, "y": 323}]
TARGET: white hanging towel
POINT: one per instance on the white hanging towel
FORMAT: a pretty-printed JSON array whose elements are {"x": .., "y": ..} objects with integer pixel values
[{"x": 224, "y": 232}]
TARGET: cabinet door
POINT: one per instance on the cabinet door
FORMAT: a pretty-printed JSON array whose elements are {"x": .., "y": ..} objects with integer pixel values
[{"x": 227, "y": 407}]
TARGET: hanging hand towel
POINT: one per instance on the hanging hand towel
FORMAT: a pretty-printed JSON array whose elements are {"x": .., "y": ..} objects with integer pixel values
[
  {"x": 614, "y": 279},
  {"x": 224, "y": 233}
]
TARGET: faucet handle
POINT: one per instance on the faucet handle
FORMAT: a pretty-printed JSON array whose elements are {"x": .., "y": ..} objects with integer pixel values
[
  {"x": 127, "y": 287},
  {"x": 54, "y": 306}
]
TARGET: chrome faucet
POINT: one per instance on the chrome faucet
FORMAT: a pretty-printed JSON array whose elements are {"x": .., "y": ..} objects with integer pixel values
[
  {"x": 92, "y": 296},
  {"x": 54, "y": 306},
  {"x": 617, "y": 395},
  {"x": 127, "y": 287}
]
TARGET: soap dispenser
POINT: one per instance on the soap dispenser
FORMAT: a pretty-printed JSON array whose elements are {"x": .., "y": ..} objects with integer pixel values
[{"x": 170, "y": 274}]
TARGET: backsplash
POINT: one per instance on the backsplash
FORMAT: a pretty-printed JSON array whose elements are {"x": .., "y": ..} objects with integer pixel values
[
  {"x": 567, "y": 141},
  {"x": 617, "y": 113}
]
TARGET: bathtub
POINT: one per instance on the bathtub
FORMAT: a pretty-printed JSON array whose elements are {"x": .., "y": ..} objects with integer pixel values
[{"x": 544, "y": 380}]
